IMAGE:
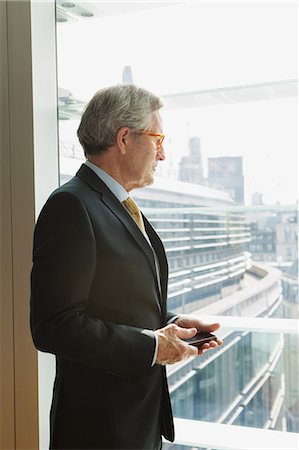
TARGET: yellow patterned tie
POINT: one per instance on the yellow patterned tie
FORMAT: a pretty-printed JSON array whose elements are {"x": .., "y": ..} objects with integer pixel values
[{"x": 134, "y": 210}]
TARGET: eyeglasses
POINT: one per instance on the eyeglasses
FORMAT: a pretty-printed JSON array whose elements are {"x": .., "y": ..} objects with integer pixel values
[{"x": 160, "y": 137}]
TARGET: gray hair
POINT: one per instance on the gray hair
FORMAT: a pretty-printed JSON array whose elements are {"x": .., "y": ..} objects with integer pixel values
[{"x": 114, "y": 107}]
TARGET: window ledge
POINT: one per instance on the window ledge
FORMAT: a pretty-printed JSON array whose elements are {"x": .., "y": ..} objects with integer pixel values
[
  {"x": 254, "y": 324},
  {"x": 195, "y": 433}
]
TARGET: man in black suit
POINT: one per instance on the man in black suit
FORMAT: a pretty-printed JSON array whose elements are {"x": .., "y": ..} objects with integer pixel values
[{"x": 99, "y": 286}]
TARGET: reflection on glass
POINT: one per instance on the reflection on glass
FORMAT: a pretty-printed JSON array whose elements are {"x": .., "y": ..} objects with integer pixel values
[
  {"x": 220, "y": 390},
  {"x": 224, "y": 201}
]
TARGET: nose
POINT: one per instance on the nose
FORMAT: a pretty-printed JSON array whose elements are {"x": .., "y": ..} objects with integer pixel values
[{"x": 160, "y": 154}]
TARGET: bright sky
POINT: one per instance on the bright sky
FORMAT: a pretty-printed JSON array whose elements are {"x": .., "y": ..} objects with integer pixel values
[{"x": 196, "y": 46}]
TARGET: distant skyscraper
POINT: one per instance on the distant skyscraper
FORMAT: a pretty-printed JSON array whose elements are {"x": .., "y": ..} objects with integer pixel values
[
  {"x": 191, "y": 167},
  {"x": 257, "y": 199},
  {"x": 227, "y": 173},
  {"x": 127, "y": 76}
]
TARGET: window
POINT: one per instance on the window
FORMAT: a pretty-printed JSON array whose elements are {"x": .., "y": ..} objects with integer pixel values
[{"x": 230, "y": 108}]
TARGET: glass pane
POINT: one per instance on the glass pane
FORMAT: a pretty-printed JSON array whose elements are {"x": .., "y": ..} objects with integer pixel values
[
  {"x": 250, "y": 382},
  {"x": 224, "y": 200},
  {"x": 211, "y": 258}
]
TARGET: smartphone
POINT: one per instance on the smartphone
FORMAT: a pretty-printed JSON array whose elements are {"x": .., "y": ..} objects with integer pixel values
[{"x": 200, "y": 338}]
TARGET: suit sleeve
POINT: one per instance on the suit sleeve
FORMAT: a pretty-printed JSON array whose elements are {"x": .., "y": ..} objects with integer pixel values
[{"x": 64, "y": 261}]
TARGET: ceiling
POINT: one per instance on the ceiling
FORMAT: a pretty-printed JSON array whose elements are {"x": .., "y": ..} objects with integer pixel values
[{"x": 68, "y": 11}]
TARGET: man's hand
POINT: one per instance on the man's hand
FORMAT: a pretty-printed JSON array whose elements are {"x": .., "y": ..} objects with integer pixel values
[
  {"x": 192, "y": 322},
  {"x": 171, "y": 348}
]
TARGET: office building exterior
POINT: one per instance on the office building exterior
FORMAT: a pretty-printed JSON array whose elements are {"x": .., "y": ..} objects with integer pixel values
[
  {"x": 211, "y": 273},
  {"x": 191, "y": 165}
]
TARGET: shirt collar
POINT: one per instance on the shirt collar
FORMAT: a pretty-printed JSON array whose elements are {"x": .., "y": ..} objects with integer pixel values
[{"x": 115, "y": 187}]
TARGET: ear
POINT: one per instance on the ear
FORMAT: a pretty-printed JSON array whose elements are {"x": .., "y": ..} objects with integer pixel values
[{"x": 122, "y": 139}]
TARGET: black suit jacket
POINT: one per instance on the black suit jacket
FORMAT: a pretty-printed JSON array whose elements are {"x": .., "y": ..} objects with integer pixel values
[{"x": 94, "y": 289}]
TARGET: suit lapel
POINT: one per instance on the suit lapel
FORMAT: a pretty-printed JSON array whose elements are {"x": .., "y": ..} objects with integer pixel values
[
  {"x": 161, "y": 256},
  {"x": 87, "y": 175}
]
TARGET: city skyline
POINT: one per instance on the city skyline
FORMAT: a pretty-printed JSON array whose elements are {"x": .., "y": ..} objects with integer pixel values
[{"x": 264, "y": 133}]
